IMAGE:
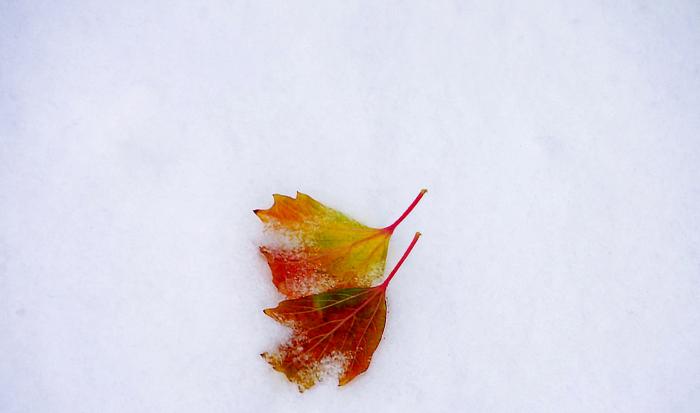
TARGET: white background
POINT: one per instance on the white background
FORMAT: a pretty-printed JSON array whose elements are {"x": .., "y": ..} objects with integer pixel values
[{"x": 560, "y": 264}]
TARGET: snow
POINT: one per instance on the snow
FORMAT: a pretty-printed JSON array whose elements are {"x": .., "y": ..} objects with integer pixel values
[{"x": 559, "y": 268}]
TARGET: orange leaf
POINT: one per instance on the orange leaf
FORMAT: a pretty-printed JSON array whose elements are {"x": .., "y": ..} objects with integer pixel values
[
  {"x": 336, "y": 330},
  {"x": 320, "y": 249}
]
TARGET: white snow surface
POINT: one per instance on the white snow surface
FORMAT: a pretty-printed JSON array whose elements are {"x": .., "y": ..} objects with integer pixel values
[{"x": 559, "y": 268}]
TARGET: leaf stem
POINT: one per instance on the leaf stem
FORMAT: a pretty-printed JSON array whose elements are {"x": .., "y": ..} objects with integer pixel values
[
  {"x": 407, "y": 211},
  {"x": 403, "y": 258}
]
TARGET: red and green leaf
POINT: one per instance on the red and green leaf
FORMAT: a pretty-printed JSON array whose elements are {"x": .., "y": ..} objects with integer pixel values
[
  {"x": 322, "y": 249},
  {"x": 334, "y": 330}
]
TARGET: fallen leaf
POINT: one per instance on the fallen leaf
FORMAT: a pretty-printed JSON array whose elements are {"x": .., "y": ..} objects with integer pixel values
[
  {"x": 319, "y": 248},
  {"x": 332, "y": 332}
]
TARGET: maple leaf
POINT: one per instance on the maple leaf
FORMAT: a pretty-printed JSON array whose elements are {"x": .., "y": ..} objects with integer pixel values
[
  {"x": 323, "y": 249},
  {"x": 334, "y": 330}
]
